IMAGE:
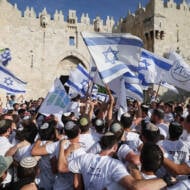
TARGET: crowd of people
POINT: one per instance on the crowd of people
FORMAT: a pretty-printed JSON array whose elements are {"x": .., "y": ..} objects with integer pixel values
[{"x": 92, "y": 148}]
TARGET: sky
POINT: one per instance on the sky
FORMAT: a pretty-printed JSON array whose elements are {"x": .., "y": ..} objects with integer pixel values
[{"x": 102, "y": 8}]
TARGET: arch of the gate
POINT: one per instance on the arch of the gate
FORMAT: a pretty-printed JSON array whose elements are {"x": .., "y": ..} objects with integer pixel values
[{"x": 69, "y": 61}]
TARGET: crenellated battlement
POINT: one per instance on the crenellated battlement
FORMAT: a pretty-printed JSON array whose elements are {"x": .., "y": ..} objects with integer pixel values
[{"x": 58, "y": 17}]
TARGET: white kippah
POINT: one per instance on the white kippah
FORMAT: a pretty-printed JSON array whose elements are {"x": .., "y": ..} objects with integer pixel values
[
  {"x": 28, "y": 162},
  {"x": 109, "y": 134},
  {"x": 69, "y": 125},
  {"x": 115, "y": 127},
  {"x": 44, "y": 126}
]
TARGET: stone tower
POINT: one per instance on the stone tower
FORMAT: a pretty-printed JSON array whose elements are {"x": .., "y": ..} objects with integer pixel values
[
  {"x": 44, "y": 48},
  {"x": 163, "y": 26}
]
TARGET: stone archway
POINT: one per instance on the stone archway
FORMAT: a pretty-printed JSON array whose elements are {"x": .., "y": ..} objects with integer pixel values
[{"x": 70, "y": 61}]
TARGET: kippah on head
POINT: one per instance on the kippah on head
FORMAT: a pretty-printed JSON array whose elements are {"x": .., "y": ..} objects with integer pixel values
[
  {"x": 115, "y": 127},
  {"x": 108, "y": 134},
  {"x": 28, "y": 162},
  {"x": 151, "y": 127},
  {"x": 69, "y": 125},
  {"x": 83, "y": 121},
  {"x": 99, "y": 122},
  {"x": 44, "y": 126},
  {"x": 2, "y": 123},
  {"x": 126, "y": 115}
]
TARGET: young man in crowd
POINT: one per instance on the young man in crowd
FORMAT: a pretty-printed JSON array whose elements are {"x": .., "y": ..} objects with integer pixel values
[
  {"x": 101, "y": 170},
  {"x": 158, "y": 119}
]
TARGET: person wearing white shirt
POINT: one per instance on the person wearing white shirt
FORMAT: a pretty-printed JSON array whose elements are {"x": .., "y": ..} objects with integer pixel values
[
  {"x": 175, "y": 148},
  {"x": 158, "y": 119},
  {"x": 132, "y": 139},
  {"x": 86, "y": 138},
  {"x": 100, "y": 171},
  {"x": 168, "y": 116},
  {"x": 62, "y": 181}
]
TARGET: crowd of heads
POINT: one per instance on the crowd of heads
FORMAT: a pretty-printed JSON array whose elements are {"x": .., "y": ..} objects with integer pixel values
[{"x": 147, "y": 136}]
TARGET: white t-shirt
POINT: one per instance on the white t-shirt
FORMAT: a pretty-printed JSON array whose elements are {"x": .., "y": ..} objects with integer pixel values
[
  {"x": 46, "y": 175},
  {"x": 133, "y": 140},
  {"x": 95, "y": 149},
  {"x": 168, "y": 117},
  {"x": 177, "y": 150},
  {"x": 163, "y": 129},
  {"x": 65, "y": 181},
  {"x": 87, "y": 140},
  {"x": 23, "y": 152},
  {"x": 98, "y": 171},
  {"x": 145, "y": 176},
  {"x": 5, "y": 145},
  {"x": 181, "y": 185},
  {"x": 123, "y": 151}
]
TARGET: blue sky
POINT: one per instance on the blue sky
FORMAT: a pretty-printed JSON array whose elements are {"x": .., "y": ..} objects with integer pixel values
[{"x": 102, "y": 8}]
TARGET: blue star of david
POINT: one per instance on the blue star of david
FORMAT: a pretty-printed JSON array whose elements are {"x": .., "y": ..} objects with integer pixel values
[
  {"x": 111, "y": 55},
  {"x": 8, "y": 81},
  {"x": 146, "y": 65},
  {"x": 84, "y": 83}
]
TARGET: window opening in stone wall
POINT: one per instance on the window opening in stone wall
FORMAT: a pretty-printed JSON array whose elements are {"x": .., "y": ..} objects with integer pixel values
[{"x": 71, "y": 40}]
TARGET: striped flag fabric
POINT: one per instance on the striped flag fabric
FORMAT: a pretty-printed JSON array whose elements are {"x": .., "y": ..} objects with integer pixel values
[
  {"x": 10, "y": 83},
  {"x": 79, "y": 79},
  {"x": 113, "y": 52}
]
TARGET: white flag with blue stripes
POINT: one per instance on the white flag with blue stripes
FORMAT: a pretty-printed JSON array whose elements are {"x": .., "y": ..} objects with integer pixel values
[
  {"x": 79, "y": 79},
  {"x": 179, "y": 74},
  {"x": 10, "y": 83},
  {"x": 113, "y": 52},
  {"x": 152, "y": 68},
  {"x": 169, "y": 87},
  {"x": 134, "y": 91}
]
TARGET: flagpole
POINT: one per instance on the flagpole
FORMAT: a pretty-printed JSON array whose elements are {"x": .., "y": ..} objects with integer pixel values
[{"x": 158, "y": 89}]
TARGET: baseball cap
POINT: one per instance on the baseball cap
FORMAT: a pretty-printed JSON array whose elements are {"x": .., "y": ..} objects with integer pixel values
[
  {"x": 28, "y": 162},
  {"x": 5, "y": 163}
]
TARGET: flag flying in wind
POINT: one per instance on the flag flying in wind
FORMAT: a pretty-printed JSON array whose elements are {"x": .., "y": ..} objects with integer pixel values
[
  {"x": 121, "y": 102},
  {"x": 9, "y": 82},
  {"x": 179, "y": 74},
  {"x": 134, "y": 91},
  {"x": 152, "y": 68},
  {"x": 169, "y": 86},
  {"x": 57, "y": 100},
  {"x": 5, "y": 56},
  {"x": 113, "y": 52},
  {"x": 79, "y": 80}
]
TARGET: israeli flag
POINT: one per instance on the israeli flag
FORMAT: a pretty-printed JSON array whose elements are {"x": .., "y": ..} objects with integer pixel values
[
  {"x": 10, "y": 83},
  {"x": 169, "y": 87},
  {"x": 122, "y": 101},
  {"x": 5, "y": 56},
  {"x": 179, "y": 73},
  {"x": 79, "y": 80},
  {"x": 152, "y": 68},
  {"x": 113, "y": 52},
  {"x": 134, "y": 91}
]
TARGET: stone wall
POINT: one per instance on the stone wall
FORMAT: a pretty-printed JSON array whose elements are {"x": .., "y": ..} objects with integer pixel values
[
  {"x": 43, "y": 48},
  {"x": 162, "y": 26}
]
